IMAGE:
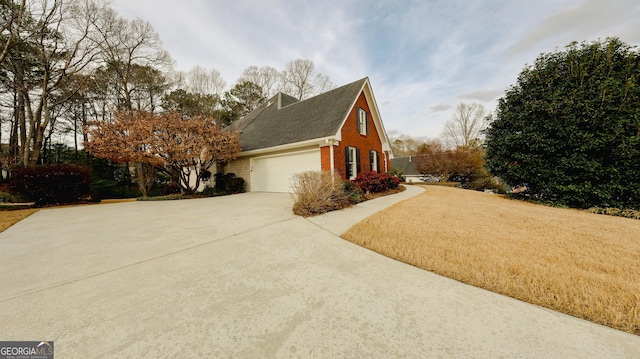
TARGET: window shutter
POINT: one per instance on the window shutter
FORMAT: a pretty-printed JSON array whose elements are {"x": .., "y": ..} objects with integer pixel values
[
  {"x": 346, "y": 161},
  {"x": 377, "y": 161},
  {"x": 366, "y": 123},
  {"x": 359, "y": 170}
]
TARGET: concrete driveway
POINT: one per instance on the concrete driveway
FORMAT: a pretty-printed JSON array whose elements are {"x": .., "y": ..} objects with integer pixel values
[{"x": 242, "y": 277}]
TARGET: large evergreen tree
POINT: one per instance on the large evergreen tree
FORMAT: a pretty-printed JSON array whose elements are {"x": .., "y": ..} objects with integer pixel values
[{"x": 570, "y": 127}]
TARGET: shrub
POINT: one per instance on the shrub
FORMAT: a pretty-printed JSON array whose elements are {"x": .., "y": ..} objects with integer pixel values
[
  {"x": 627, "y": 213},
  {"x": 398, "y": 173},
  {"x": 481, "y": 179},
  {"x": 110, "y": 180},
  {"x": 209, "y": 191},
  {"x": 353, "y": 192},
  {"x": 205, "y": 175},
  {"x": 171, "y": 188},
  {"x": 52, "y": 184},
  {"x": 317, "y": 192},
  {"x": 219, "y": 184},
  {"x": 102, "y": 188},
  {"x": 228, "y": 183},
  {"x": 7, "y": 198},
  {"x": 234, "y": 184},
  {"x": 393, "y": 182},
  {"x": 374, "y": 182}
]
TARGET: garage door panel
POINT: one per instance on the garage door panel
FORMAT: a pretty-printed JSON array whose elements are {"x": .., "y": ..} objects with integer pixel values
[{"x": 274, "y": 173}]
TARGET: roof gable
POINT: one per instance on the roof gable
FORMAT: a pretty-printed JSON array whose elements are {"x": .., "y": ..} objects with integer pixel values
[{"x": 284, "y": 120}]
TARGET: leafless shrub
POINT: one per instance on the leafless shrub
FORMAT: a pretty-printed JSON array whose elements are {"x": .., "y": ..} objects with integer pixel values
[{"x": 316, "y": 192}]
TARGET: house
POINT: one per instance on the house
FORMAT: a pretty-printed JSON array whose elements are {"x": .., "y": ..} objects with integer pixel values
[
  {"x": 337, "y": 130},
  {"x": 408, "y": 166}
]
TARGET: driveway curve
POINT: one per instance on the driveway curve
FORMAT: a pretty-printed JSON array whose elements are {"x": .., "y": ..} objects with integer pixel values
[{"x": 242, "y": 277}]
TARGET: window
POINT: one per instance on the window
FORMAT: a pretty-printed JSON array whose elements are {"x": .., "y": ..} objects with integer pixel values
[
  {"x": 374, "y": 161},
  {"x": 362, "y": 122},
  {"x": 352, "y": 161}
]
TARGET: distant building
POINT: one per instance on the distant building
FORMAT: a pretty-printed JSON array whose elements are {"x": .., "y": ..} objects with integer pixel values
[{"x": 408, "y": 167}]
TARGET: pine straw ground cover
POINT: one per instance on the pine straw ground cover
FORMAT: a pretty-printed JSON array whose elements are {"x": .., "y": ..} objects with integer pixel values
[{"x": 582, "y": 264}]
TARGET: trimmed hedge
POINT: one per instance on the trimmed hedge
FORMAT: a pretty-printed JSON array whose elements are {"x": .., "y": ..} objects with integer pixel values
[
  {"x": 374, "y": 182},
  {"x": 58, "y": 184}
]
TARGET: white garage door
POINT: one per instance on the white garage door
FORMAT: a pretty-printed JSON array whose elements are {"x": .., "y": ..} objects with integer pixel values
[{"x": 273, "y": 173}]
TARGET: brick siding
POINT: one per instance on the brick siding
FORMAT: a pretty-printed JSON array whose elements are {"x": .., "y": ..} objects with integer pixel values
[{"x": 352, "y": 138}]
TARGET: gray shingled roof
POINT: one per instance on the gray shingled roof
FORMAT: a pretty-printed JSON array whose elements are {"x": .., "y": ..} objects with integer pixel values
[
  {"x": 296, "y": 121},
  {"x": 405, "y": 164}
]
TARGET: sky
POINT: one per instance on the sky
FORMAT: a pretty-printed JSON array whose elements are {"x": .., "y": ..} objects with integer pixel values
[{"x": 422, "y": 57}]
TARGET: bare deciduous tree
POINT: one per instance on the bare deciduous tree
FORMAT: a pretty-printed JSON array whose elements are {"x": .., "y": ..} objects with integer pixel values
[
  {"x": 405, "y": 145},
  {"x": 466, "y": 126},
  {"x": 203, "y": 81},
  {"x": 300, "y": 80},
  {"x": 126, "y": 45},
  {"x": 218, "y": 84},
  {"x": 266, "y": 77}
]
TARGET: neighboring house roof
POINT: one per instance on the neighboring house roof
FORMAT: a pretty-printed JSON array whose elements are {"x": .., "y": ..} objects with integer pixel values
[
  {"x": 407, "y": 165},
  {"x": 284, "y": 120}
]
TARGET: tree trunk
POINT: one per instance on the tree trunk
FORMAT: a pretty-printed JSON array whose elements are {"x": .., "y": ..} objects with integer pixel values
[
  {"x": 75, "y": 134},
  {"x": 39, "y": 133},
  {"x": 85, "y": 135},
  {"x": 13, "y": 130},
  {"x": 22, "y": 126},
  {"x": 14, "y": 151},
  {"x": 146, "y": 176}
]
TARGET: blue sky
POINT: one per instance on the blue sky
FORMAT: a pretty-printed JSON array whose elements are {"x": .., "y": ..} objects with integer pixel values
[{"x": 422, "y": 57}]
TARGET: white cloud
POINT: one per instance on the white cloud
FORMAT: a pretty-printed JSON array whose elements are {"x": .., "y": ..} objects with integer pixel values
[
  {"x": 588, "y": 20},
  {"x": 231, "y": 36},
  {"x": 440, "y": 107},
  {"x": 482, "y": 95},
  {"x": 421, "y": 56}
]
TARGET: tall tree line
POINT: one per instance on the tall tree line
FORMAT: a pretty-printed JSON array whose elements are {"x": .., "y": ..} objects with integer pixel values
[{"x": 66, "y": 63}]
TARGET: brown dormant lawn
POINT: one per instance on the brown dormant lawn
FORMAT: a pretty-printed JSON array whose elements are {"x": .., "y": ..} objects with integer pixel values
[
  {"x": 8, "y": 218},
  {"x": 582, "y": 264}
]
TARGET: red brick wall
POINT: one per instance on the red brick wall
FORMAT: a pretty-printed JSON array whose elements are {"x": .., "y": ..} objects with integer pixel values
[
  {"x": 351, "y": 137},
  {"x": 325, "y": 156}
]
